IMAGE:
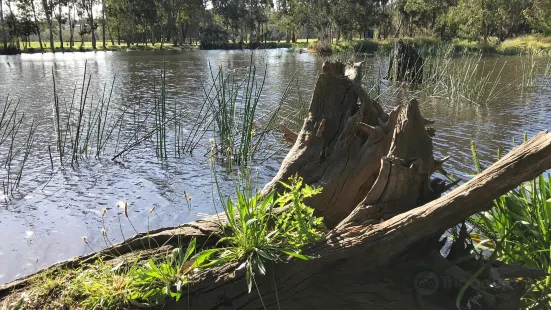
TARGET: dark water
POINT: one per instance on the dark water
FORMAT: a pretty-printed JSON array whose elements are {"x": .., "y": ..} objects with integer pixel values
[{"x": 44, "y": 222}]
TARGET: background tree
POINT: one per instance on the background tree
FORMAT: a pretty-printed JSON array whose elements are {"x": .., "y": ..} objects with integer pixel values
[
  {"x": 87, "y": 7},
  {"x": 28, "y": 8},
  {"x": 61, "y": 19},
  {"x": 3, "y": 25},
  {"x": 538, "y": 14},
  {"x": 48, "y": 7}
]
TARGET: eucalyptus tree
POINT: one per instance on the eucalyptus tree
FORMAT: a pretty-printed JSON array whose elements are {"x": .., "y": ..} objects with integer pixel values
[
  {"x": 28, "y": 8},
  {"x": 71, "y": 21},
  {"x": 119, "y": 18},
  {"x": 61, "y": 18},
  {"x": 48, "y": 7},
  {"x": 87, "y": 7},
  {"x": 12, "y": 25},
  {"x": 233, "y": 13},
  {"x": 428, "y": 14},
  {"x": 191, "y": 15}
]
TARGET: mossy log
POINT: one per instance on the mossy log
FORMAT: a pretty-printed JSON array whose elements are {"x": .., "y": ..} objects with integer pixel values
[{"x": 385, "y": 214}]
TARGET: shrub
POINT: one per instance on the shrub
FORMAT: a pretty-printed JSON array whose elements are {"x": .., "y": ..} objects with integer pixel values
[
  {"x": 322, "y": 48},
  {"x": 213, "y": 37},
  {"x": 10, "y": 50}
]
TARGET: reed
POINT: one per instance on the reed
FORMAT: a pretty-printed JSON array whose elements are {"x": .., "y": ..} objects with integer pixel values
[
  {"x": 517, "y": 230},
  {"x": 231, "y": 110}
]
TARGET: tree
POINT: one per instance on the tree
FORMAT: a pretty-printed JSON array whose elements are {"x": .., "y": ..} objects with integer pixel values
[
  {"x": 233, "y": 15},
  {"x": 427, "y": 13},
  {"x": 87, "y": 6},
  {"x": 61, "y": 20},
  {"x": 48, "y": 7},
  {"x": 71, "y": 20},
  {"x": 103, "y": 23},
  {"x": 469, "y": 17},
  {"x": 4, "y": 34},
  {"x": 538, "y": 15},
  {"x": 12, "y": 25},
  {"x": 28, "y": 22},
  {"x": 117, "y": 12}
]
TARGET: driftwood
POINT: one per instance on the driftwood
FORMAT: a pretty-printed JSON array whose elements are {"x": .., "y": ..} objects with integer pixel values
[
  {"x": 405, "y": 63},
  {"x": 385, "y": 213}
]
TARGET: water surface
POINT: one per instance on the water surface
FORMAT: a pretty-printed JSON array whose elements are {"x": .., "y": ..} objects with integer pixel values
[{"x": 45, "y": 220}]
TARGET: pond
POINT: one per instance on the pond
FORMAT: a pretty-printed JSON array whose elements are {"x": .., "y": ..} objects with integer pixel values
[{"x": 44, "y": 219}]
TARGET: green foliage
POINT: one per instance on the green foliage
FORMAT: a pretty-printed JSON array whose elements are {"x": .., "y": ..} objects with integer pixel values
[
  {"x": 155, "y": 281},
  {"x": 299, "y": 225},
  {"x": 520, "y": 222},
  {"x": 255, "y": 236},
  {"x": 241, "y": 131},
  {"x": 101, "y": 285},
  {"x": 213, "y": 36},
  {"x": 539, "y": 15}
]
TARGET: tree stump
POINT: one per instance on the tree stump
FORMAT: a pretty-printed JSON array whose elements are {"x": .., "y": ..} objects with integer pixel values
[
  {"x": 405, "y": 64},
  {"x": 385, "y": 214}
]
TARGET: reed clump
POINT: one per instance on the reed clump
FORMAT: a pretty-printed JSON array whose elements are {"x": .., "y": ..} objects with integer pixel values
[
  {"x": 16, "y": 145},
  {"x": 231, "y": 111}
]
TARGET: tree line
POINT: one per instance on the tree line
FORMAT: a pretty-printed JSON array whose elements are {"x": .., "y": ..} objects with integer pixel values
[{"x": 174, "y": 21}]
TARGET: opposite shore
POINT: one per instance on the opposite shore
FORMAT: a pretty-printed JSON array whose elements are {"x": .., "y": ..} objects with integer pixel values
[{"x": 538, "y": 45}]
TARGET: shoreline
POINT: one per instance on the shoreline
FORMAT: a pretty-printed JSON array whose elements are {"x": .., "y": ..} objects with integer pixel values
[
  {"x": 537, "y": 45},
  {"x": 157, "y": 47}
]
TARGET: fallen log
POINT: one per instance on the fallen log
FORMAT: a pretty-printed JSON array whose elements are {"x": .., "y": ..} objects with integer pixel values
[
  {"x": 374, "y": 266},
  {"x": 385, "y": 213}
]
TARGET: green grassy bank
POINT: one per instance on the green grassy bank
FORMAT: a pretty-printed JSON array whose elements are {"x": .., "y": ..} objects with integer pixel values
[
  {"x": 524, "y": 45},
  {"x": 34, "y": 47}
]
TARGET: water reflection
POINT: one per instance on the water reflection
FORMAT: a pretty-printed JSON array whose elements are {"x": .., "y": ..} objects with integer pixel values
[{"x": 55, "y": 208}]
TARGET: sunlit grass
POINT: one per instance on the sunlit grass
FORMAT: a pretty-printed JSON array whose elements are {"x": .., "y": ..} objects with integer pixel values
[
  {"x": 101, "y": 285},
  {"x": 536, "y": 44},
  {"x": 529, "y": 44},
  {"x": 34, "y": 46}
]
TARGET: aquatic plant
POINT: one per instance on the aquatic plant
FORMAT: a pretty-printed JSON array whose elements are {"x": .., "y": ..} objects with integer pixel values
[
  {"x": 232, "y": 111},
  {"x": 520, "y": 222},
  {"x": 468, "y": 79},
  {"x": 15, "y": 145}
]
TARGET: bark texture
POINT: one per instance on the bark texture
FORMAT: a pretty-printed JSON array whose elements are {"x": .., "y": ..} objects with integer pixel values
[{"x": 356, "y": 151}]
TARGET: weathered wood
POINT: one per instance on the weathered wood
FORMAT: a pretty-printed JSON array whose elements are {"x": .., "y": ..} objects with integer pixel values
[
  {"x": 372, "y": 265},
  {"x": 344, "y": 139},
  {"x": 405, "y": 64},
  {"x": 288, "y": 134}
]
